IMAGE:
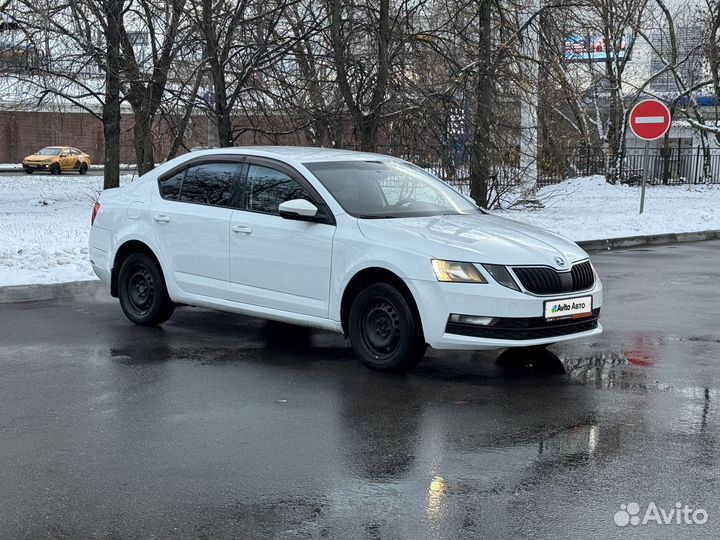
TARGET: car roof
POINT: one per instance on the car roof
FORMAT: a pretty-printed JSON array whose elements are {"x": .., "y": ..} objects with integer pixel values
[{"x": 302, "y": 154}]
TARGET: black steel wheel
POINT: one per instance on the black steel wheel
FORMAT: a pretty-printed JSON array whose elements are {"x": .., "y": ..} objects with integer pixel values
[
  {"x": 142, "y": 291},
  {"x": 384, "y": 330}
]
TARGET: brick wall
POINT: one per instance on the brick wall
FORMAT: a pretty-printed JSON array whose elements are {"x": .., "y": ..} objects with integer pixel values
[
  {"x": 22, "y": 133},
  {"x": 25, "y": 132}
]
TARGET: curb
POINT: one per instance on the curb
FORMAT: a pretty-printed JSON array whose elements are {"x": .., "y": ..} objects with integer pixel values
[
  {"x": 59, "y": 291},
  {"x": 52, "y": 291},
  {"x": 649, "y": 240}
]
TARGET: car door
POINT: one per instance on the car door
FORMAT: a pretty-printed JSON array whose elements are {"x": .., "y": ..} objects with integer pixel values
[
  {"x": 191, "y": 218},
  {"x": 76, "y": 158},
  {"x": 275, "y": 262},
  {"x": 67, "y": 160}
]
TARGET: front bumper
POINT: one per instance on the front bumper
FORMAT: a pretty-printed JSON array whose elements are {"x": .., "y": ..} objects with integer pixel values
[
  {"x": 35, "y": 166},
  {"x": 520, "y": 316}
]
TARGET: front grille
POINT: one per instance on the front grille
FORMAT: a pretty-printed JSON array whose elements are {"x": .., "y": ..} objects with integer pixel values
[
  {"x": 526, "y": 328},
  {"x": 545, "y": 280},
  {"x": 583, "y": 276}
]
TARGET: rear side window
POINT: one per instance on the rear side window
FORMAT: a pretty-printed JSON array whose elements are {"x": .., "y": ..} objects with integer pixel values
[
  {"x": 170, "y": 187},
  {"x": 210, "y": 183},
  {"x": 267, "y": 188}
]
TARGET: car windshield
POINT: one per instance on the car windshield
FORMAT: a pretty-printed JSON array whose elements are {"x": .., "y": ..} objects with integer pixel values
[
  {"x": 388, "y": 189},
  {"x": 49, "y": 151}
]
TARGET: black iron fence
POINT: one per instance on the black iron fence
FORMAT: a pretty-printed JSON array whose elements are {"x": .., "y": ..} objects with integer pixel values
[{"x": 664, "y": 166}]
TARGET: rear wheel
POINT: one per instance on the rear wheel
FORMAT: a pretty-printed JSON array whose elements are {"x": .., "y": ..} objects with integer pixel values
[
  {"x": 142, "y": 291},
  {"x": 384, "y": 332},
  {"x": 83, "y": 168},
  {"x": 55, "y": 168}
]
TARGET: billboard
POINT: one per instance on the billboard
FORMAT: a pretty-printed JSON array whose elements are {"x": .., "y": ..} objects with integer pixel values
[{"x": 592, "y": 49}]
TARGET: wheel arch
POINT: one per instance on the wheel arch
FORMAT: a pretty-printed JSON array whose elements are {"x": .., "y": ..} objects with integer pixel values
[
  {"x": 126, "y": 249},
  {"x": 368, "y": 276}
]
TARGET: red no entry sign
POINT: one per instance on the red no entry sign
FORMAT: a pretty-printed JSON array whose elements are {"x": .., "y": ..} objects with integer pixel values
[{"x": 649, "y": 119}]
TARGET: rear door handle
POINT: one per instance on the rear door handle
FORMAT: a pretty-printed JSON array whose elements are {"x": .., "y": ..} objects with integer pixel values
[
  {"x": 162, "y": 217},
  {"x": 241, "y": 229}
]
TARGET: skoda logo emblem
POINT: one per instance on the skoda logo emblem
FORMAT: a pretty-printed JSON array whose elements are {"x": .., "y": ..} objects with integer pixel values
[{"x": 559, "y": 261}]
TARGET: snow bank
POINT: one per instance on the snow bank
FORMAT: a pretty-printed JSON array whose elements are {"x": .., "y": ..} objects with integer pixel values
[
  {"x": 45, "y": 220},
  {"x": 589, "y": 208}
]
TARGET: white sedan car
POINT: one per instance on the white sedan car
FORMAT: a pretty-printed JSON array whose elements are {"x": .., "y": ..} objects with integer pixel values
[{"x": 366, "y": 245}]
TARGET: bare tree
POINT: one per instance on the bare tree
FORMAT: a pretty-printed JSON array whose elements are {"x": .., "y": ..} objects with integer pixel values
[
  {"x": 80, "y": 62},
  {"x": 239, "y": 39},
  {"x": 146, "y": 72}
]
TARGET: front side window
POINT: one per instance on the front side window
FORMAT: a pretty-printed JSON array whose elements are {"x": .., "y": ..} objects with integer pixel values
[
  {"x": 388, "y": 189},
  {"x": 210, "y": 183},
  {"x": 267, "y": 188}
]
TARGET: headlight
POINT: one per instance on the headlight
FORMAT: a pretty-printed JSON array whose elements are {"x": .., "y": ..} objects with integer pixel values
[{"x": 458, "y": 272}]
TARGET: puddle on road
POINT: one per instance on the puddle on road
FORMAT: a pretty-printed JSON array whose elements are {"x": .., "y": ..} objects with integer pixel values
[{"x": 628, "y": 371}]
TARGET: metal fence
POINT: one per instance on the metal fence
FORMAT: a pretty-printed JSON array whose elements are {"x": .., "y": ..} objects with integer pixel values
[{"x": 665, "y": 166}]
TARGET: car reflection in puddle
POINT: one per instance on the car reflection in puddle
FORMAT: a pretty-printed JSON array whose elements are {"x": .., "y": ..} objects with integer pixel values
[{"x": 530, "y": 361}]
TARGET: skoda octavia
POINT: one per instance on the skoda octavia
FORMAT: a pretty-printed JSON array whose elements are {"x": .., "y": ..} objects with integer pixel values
[{"x": 366, "y": 245}]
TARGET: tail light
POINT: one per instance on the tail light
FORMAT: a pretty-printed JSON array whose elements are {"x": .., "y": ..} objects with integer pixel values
[{"x": 96, "y": 210}]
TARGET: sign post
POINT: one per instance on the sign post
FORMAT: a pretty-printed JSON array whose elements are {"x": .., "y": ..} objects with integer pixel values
[{"x": 649, "y": 120}]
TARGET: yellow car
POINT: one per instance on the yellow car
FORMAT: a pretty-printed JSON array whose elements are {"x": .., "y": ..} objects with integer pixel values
[{"x": 57, "y": 159}]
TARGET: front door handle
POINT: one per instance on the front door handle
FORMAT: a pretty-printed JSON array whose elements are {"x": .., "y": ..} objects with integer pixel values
[
  {"x": 241, "y": 229},
  {"x": 162, "y": 217}
]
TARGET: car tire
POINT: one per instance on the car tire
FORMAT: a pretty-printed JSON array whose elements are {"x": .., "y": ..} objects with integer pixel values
[
  {"x": 28, "y": 171},
  {"x": 142, "y": 291},
  {"x": 55, "y": 168},
  {"x": 385, "y": 333},
  {"x": 83, "y": 168}
]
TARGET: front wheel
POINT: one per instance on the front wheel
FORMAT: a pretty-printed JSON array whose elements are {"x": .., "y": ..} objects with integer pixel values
[
  {"x": 143, "y": 295},
  {"x": 55, "y": 168},
  {"x": 384, "y": 332},
  {"x": 28, "y": 171}
]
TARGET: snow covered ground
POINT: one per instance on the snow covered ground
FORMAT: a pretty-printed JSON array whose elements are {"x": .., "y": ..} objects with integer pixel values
[
  {"x": 44, "y": 220},
  {"x": 589, "y": 208},
  {"x": 44, "y": 224}
]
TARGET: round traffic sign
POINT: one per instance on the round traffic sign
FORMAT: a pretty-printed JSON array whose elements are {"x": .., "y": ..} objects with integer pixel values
[{"x": 649, "y": 119}]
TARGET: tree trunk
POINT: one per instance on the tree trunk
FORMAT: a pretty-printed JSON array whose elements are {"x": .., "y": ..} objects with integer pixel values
[
  {"x": 179, "y": 138},
  {"x": 111, "y": 107},
  {"x": 224, "y": 126},
  {"x": 142, "y": 132},
  {"x": 368, "y": 133},
  {"x": 480, "y": 146}
]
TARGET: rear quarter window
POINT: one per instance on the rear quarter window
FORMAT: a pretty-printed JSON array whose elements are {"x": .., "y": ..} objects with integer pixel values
[{"x": 170, "y": 187}]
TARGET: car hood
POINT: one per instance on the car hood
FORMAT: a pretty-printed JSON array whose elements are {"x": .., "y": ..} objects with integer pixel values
[
  {"x": 480, "y": 238},
  {"x": 38, "y": 157}
]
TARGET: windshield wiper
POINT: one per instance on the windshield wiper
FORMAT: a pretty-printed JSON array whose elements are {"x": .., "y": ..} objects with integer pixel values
[{"x": 376, "y": 216}]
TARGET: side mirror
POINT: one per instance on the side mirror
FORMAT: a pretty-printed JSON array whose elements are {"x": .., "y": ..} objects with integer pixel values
[{"x": 298, "y": 209}]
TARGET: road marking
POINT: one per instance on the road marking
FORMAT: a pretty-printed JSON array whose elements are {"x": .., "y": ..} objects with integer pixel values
[{"x": 650, "y": 120}]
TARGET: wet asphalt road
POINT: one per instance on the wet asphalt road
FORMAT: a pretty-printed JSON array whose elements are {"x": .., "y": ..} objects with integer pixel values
[{"x": 222, "y": 426}]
